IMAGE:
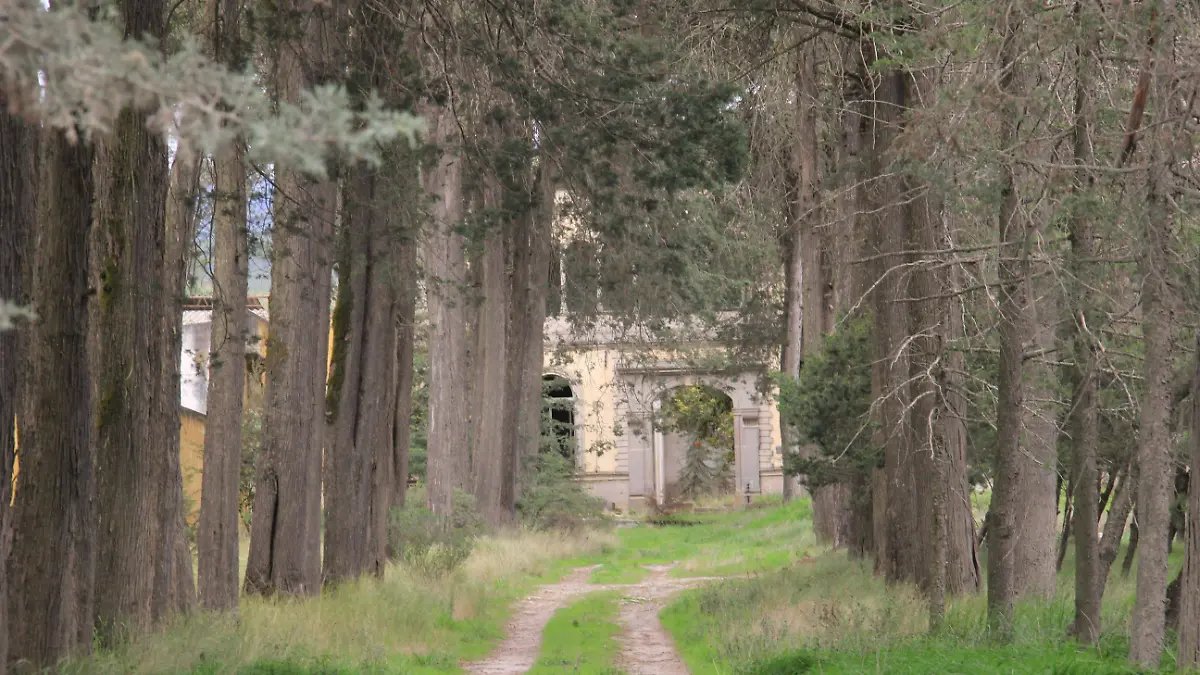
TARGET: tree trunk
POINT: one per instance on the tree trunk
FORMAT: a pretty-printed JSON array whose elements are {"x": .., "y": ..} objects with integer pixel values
[
  {"x": 1114, "y": 526},
  {"x": 1189, "y": 608},
  {"x": 365, "y": 407},
  {"x": 406, "y": 306},
  {"x": 1015, "y": 233},
  {"x": 217, "y": 531},
  {"x": 896, "y": 520},
  {"x": 445, "y": 266},
  {"x": 175, "y": 587},
  {"x": 938, "y": 432},
  {"x": 18, "y": 206},
  {"x": 217, "y": 534},
  {"x": 133, "y": 456},
  {"x": 51, "y": 590},
  {"x": 1131, "y": 550},
  {"x": 285, "y": 535},
  {"x": 852, "y": 280},
  {"x": 1085, "y": 433},
  {"x": 1154, "y": 438},
  {"x": 490, "y": 367},
  {"x": 530, "y": 285}
]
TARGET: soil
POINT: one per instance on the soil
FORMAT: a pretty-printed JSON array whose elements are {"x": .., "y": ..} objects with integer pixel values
[{"x": 646, "y": 647}]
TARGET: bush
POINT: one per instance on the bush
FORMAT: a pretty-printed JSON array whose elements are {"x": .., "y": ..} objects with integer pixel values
[
  {"x": 830, "y": 404},
  {"x": 426, "y": 544},
  {"x": 553, "y": 499}
]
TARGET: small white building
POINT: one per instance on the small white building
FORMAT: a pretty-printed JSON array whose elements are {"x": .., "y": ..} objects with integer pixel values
[{"x": 197, "y": 337}]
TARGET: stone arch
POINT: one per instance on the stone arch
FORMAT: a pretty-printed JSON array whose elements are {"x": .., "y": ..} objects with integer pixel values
[
  {"x": 676, "y": 444},
  {"x": 643, "y": 386}
]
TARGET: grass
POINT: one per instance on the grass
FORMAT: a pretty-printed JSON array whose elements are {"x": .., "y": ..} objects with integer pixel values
[
  {"x": 582, "y": 638},
  {"x": 402, "y": 624},
  {"x": 788, "y": 607},
  {"x": 830, "y": 614},
  {"x": 729, "y": 543}
]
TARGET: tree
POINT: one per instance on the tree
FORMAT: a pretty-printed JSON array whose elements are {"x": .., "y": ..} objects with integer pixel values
[
  {"x": 18, "y": 201},
  {"x": 445, "y": 268},
  {"x": 217, "y": 531},
  {"x": 285, "y": 547},
  {"x": 1083, "y": 412},
  {"x": 1154, "y": 268},
  {"x": 51, "y": 591},
  {"x": 133, "y": 454}
]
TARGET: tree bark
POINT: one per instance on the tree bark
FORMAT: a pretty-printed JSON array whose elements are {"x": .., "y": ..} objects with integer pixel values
[
  {"x": 1189, "y": 609},
  {"x": 285, "y": 535},
  {"x": 52, "y": 567},
  {"x": 406, "y": 307},
  {"x": 1154, "y": 437},
  {"x": 175, "y": 587},
  {"x": 530, "y": 285},
  {"x": 133, "y": 455},
  {"x": 217, "y": 530},
  {"x": 1084, "y": 415},
  {"x": 217, "y": 534},
  {"x": 18, "y": 216},
  {"x": 445, "y": 266},
  {"x": 1005, "y": 513},
  {"x": 488, "y": 455},
  {"x": 852, "y": 281},
  {"x": 362, "y": 450},
  {"x": 896, "y": 519},
  {"x": 1114, "y": 526}
]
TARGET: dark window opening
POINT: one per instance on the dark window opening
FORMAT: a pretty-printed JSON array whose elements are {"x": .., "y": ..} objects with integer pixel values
[{"x": 559, "y": 415}]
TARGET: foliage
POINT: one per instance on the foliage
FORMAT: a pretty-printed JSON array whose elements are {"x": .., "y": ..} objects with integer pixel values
[
  {"x": 77, "y": 73},
  {"x": 553, "y": 498},
  {"x": 829, "y": 405},
  {"x": 705, "y": 417},
  {"x": 11, "y": 312},
  {"x": 430, "y": 546}
]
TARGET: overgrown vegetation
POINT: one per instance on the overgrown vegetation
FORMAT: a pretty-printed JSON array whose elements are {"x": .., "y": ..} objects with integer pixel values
[
  {"x": 704, "y": 416},
  {"x": 407, "y": 623},
  {"x": 428, "y": 546},
  {"x": 830, "y": 404}
]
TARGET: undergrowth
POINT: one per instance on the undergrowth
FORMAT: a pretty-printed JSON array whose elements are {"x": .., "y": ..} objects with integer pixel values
[
  {"x": 831, "y": 615},
  {"x": 407, "y": 622}
]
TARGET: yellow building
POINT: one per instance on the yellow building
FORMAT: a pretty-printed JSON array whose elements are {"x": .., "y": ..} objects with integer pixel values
[{"x": 617, "y": 381}]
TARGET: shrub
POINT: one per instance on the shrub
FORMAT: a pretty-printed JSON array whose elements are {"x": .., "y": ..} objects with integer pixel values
[
  {"x": 428, "y": 545},
  {"x": 553, "y": 499}
]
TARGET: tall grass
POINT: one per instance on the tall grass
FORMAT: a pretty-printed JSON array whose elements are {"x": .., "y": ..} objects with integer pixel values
[
  {"x": 406, "y": 622},
  {"x": 831, "y": 614}
]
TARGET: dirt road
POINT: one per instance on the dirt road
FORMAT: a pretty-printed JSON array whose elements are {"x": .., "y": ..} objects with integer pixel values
[{"x": 646, "y": 647}]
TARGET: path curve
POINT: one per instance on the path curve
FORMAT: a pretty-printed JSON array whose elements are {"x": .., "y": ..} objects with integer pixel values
[{"x": 646, "y": 647}]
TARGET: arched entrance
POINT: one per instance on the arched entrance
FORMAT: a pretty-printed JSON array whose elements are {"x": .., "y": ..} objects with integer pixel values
[
  {"x": 694, "y": 448},
  {"x": 558, "y": 414}
]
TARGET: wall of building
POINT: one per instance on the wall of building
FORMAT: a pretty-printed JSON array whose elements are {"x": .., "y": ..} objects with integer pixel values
[{"x": 191, "y": 460}]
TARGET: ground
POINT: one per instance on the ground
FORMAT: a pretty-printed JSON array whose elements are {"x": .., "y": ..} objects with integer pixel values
[{"x": 713, "y": 593}]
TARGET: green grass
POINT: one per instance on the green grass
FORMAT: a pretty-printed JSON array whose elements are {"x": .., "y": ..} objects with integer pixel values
[
  {"x": 582, "y": 638},
  {"x": 740, "y": 541},
  {"x": 830, "y": 614},
  {"x": 404, "y": 624}
]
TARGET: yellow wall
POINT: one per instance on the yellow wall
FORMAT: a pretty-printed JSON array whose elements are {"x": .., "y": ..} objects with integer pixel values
[
  {"x": 191, "y": 459},
  {"x": 592, "y": 372}
]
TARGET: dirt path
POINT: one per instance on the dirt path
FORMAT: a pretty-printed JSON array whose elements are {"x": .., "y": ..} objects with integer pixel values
[{"x": 646, "y": 647}]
